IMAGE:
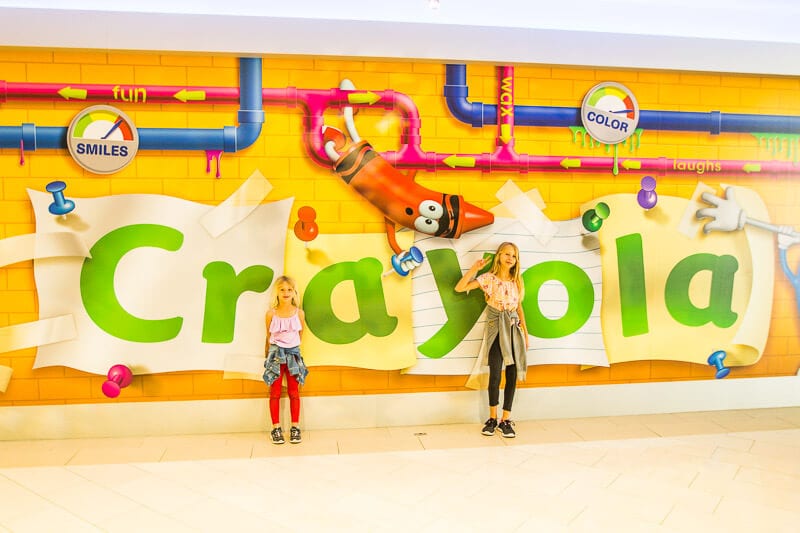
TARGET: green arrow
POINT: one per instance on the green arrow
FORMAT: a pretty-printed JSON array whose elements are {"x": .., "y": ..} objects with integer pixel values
[
  {"x": 631, "y": 164},
  {"x": 570, "y": 163},
  {"x": 68, "y": 92},
  {"x": 368, "y": 97},
  {"x": 454, "y": 161},
  {"x": 184, "y": 96},
  {"x": 751, "y": 167}
]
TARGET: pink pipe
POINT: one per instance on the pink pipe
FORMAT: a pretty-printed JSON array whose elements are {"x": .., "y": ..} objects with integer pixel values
[
  {"x": 117, "y": 93},
  {"x": 505, "y": 107}
]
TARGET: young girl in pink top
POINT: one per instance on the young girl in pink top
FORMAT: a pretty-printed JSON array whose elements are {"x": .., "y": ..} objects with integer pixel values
[
  {"x": 285, "y": 324},
  {"x": 505, "y": 339}
]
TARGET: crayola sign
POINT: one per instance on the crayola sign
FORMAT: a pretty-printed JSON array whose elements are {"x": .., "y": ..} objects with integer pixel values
[{"x": 162, "y": 293}]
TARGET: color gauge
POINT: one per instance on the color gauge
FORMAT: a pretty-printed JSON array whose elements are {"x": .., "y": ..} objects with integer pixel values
[
  {"x": 102, "y": 139},
  {"x": 610, "y": 112}
]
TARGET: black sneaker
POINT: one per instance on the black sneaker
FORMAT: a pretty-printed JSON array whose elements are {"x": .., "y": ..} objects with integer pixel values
[
  {"x": 277, "y": 436},
  {"x": 506, "y": 428},
  {"x": 294, "y": 435},
  {"x": 489, "y": 426}
]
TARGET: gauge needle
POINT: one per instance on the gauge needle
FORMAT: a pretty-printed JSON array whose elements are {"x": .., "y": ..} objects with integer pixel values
[
  {"x": 618, "y": 111},
  {"x": 114, "y": 127}
]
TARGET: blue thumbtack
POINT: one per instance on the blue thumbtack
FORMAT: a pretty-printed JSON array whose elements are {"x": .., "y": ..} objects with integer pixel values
[
  {"x": 407, "y": 261},
  {"x": 60, "y": 205},
  {"x": 715, "y": 359}
]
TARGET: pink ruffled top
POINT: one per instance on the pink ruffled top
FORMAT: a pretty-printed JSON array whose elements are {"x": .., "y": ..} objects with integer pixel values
[
  {"x": 285, "y": 332},
  {"x": 502, "y": 295}
]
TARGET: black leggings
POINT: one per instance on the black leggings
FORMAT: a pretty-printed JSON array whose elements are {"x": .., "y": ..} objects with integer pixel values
[{"x": 495, "y": 370}]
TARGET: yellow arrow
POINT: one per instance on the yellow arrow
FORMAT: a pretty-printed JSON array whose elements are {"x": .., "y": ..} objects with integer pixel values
[
  {"x": 368, "y": 97},
  {"x": 505, "y": 133},
  {"x": 454, "y": 161},
  {"x": 183, "y": 95},
  {"x": 751, "y": 167},
  {"x": 631, "y": 164},
  {"x": 68, "y": 92},
  {"x": 570, "y": 163}
]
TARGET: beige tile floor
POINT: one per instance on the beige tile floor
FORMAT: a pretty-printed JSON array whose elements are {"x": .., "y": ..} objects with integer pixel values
[{"x": 713, "y": 471}]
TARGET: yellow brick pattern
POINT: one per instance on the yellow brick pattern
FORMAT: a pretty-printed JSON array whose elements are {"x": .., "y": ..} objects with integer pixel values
[{"x": 280, "y": 155}]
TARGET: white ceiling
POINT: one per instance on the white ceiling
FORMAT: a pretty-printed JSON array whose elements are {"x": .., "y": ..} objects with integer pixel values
[{"x": 748, "y": 36}]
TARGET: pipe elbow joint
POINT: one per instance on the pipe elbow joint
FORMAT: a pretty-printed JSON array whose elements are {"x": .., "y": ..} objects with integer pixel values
[
  {"x": 239, "y": 138},
  {"x": 461, "y": 108}
]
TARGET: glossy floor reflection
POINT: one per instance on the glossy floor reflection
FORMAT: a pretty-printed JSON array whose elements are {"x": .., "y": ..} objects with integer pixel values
[{"x": 711, "y": 471}]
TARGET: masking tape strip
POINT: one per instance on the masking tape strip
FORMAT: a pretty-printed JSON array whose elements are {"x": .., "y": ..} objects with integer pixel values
[
  {"x": 5, "y": 377},
  {"x": 503, "y": 218},
  {"x": 242, "y": 366},
  {"x": 509, "y": 190},
  {"x": 527, "y": 208},
  {"x": 41, "y": 245},
  {"x": 690, "y": 225},
  {"x": 237, "y": 206},
  {"x": 44, "y": 331}
]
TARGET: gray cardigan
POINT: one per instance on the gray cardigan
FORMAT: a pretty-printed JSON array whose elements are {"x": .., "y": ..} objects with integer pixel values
[{"x": 512, "y": 344}]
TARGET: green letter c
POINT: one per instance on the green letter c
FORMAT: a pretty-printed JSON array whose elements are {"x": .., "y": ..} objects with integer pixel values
[{"x": 97, "y": 283}]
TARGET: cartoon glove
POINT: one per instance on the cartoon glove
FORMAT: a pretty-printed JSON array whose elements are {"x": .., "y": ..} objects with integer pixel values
[
  {"x": 727, "y": 215},
  {"x": 406, "y": 261}
]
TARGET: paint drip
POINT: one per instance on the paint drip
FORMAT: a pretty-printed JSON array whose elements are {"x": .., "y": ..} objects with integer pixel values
[{"x": 215, "y": 155}]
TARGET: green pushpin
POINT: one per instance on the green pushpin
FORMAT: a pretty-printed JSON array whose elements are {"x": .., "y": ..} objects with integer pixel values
[{"x": 593, "y": 218}]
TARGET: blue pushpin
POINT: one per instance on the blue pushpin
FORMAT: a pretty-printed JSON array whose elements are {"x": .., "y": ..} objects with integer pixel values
[
  {"x": 60, "y": 205},
  {"x": 407, "y": 261},
  {"x": 715, "y": 359}
]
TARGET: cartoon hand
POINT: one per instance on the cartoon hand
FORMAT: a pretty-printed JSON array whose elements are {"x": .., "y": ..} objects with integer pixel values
[
  {"x": 406, "y": 261},
  {"x": 727, "y": 215}
]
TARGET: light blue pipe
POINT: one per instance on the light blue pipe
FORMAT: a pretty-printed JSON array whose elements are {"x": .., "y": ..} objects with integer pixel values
[
  {"x": 227, "y": 139},
  {"x": 477, "y": 114}
]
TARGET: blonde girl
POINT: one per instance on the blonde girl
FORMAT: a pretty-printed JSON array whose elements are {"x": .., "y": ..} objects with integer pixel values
[
  {"x": 505, "y": 338},
  {"x": 285, "y": 324}
]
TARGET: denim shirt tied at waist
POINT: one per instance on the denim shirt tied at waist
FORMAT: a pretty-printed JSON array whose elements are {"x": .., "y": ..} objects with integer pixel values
[{"x": 291, "y": 357}]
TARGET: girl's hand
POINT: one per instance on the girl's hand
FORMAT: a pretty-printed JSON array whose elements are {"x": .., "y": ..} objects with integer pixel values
[{"x": 480, "y": 263}]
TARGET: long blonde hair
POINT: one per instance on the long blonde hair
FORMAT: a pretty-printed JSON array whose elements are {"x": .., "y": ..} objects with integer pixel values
[
  {"x": 516, "y": 271},
  {"x": 289, "y": 281}
]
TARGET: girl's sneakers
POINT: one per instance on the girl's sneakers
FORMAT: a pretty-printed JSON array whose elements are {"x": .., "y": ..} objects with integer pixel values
[
  {"x": 277, "y": 436},
  {"x": 506, "y": 428},
  {"x": 294, "y": 435},
  {"x": 489, "y": 426}
]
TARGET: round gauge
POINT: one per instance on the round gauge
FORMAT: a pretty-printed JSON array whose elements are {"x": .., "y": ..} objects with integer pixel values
[
  {"x": 610, "y": 112},
  {"x": 102, "y": 139}
]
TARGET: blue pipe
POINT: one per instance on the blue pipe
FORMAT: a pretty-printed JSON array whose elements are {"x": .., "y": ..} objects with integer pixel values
[
  {"x": 228, "y": 139},
  {"x": 477, "y": 114}
]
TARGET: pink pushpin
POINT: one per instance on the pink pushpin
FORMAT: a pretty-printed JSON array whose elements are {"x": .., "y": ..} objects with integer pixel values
[{"x": 119, "y": 377}]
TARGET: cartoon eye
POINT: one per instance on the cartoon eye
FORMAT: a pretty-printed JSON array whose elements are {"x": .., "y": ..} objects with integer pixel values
[
  {"x": 431, "y": 209},
  {"x": 426, "y": 225}
]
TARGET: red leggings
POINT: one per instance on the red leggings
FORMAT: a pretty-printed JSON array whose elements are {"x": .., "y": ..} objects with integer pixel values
[{"x": 292, "y": 389}]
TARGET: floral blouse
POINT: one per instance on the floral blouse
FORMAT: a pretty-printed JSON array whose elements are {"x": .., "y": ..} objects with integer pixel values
[{"x": 502, "y": 295}]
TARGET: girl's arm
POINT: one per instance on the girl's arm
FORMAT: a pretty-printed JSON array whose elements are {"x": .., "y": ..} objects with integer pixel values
[
  {"x": 523, "y": 325},
  {"x": 467, "y": 283},
  {"x": 268, "y": 319},
  {"x": 302, "y": 316}
]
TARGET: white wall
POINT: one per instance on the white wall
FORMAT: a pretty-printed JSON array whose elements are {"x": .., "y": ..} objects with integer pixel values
[
  {"x": 745, "y": 36},
  {"x": 383, "y": 410}
]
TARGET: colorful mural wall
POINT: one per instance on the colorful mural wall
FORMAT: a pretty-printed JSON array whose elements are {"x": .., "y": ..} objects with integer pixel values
[{"x": 149, "y": 200}]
